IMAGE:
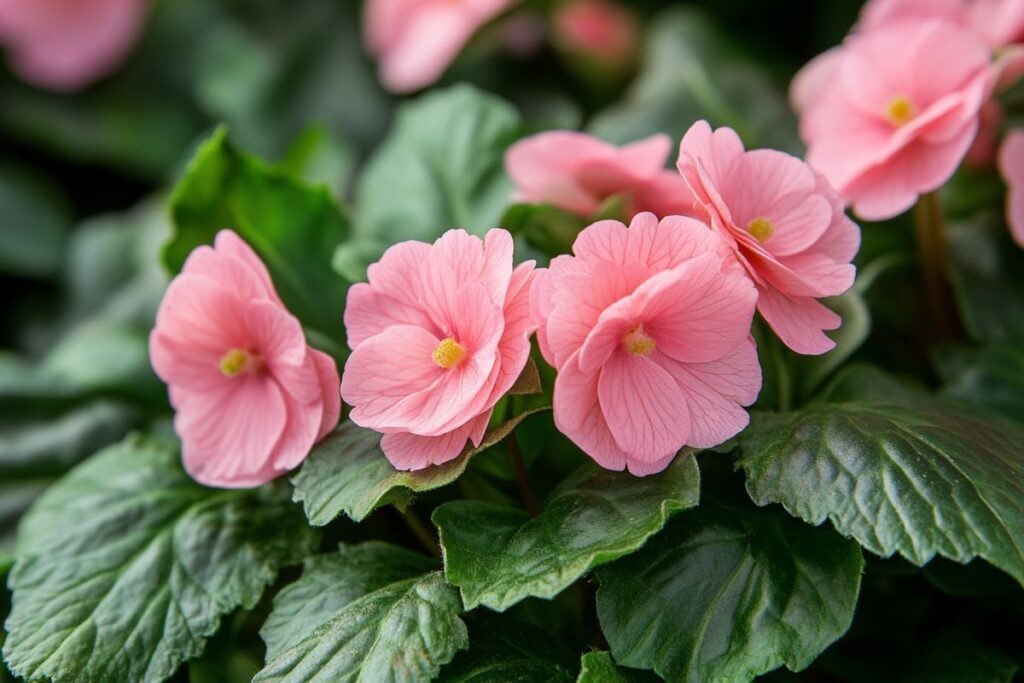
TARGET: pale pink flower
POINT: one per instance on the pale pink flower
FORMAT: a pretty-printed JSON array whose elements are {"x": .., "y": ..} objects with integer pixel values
[
  {"x": 649, "y": 329},
  {"x": 578, "y": 172},
  {"x": 997, "y": 22},
  {"x": 251, "y": 396},
  {"x": 601, "y": 30},
  {"x": 414, "y": 41},
  {"x": 891, "y": 113},
  {"x": 66, "y": 44},
  {"x": 785, "y": 224},
  {"x": 439, "y": 334},
  {"x": 1011, "y": 164}
]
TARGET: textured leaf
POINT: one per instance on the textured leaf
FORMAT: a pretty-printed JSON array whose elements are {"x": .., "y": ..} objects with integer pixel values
[
  {"x": 498, "y": 556},
  {"x": 989, "y": 379},
  {"x": 441, "y": 167},
  {"x": 897, "y": 470},
  {"x": 599, "y": 667},
  {"x": 347, "y": 473},
  {"x": 502, "y": 649},
  {"x": 369, "y": 613},
  {"x": 726, "y": 594},
  {"x": 125, "y": 567},
  {"x": 293, "y": 226}
]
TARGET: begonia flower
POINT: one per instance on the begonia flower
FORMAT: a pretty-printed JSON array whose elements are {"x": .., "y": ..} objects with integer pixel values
[
  {"x": 251, "y": 396},
  {"x": 649, "y": 329},
  {"x": 439, "y": 334},
  {"x": 65, "y": 45},
  {"x": 784, "y": 223},
  {"x": 577, "y": 172}
]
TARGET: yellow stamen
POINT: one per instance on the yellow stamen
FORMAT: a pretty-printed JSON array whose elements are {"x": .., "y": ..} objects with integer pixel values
[
  {"x": 449, "y": 353},
  {"x": 900, "y": 110},
  {"x": 761, "y": 228},
  {"x": 638, "y": 342},
  {"x": 237, "y": 361}
]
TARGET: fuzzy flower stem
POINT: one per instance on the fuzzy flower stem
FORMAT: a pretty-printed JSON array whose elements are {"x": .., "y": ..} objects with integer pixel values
[
  {"x": 933, "y": 257},
  {"x": 529, "y": 500}
]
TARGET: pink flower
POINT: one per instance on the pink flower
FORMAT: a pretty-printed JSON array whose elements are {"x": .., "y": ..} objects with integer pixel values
[
  {"x": 997, "y": 22},
  {"x": 251, "y": 396},
  {"x": 891, "y": 113},
  {"x": 439, "y": 334},
  {"x": 603, "y": 31},
  {"x": 784, "y": 223},
  {"x": 1011, "y": 164},
  {"x": 416, "y": 40},
  {"x": 649, "y": 329},
  {"x": 66, "y": 44},
  {"x": 578, "y": 172}
]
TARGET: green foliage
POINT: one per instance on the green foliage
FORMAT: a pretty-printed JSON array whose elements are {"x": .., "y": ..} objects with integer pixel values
[
  {"x": 726, "y": 594},
  {"x": 348, "y": 473},
  {"x": 899, "y": 471},
  {"x": 441, "y": 167},
  {"x": 372, "y": 612},
  {"x": 989, "y": 378},
  {"x": 599, "y": 667},
  {"x": 33, "y": 224},
  {"x": 503, "y": 649},
  {"x": 293, "y": 226},
  {"x": 125, "y": 568},
  {"x": 497, "y": 556}
]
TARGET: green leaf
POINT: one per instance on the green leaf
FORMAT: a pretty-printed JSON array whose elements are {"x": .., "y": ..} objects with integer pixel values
[
  {"x": 498, "y": 556},
  {"x": 369, "y": 613},
  {"x": 899, "y": 471},
  {"x": 293, "y": 226},
  {"x": 599, "y": 667},
  {"x": 989, "y": 379},
  {"x": 348, "y": 473},
  {"x": 727, "y": 594},
  {"x": 125, "y": 567},
  {"x": 953, "y": 658},
  {"x": 503, "y": 649},
  {"x": 441, "y": 167},
  {"x": 33, "y": 225},
  {"x": 988, "y": 278},
  {"x": 690, "y": 73}
]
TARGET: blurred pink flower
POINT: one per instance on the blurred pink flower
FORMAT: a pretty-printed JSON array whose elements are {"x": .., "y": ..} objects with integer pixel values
[
  {"x": 600, "y": 30},
  {"x": 66, "y": 44},
  {"x": 1011, "y": 164},
  {"x": 997, "y": 22},
  {"x": 251, "y": 396},
  {"x": 578, "y": 172},
  {"x": 784, "y": 223},
  {"x": 649, "y": 329},
  {"x": 414, "y": 41},
  {"x": 439, "y": 334},
  {"x": 891, "y": 113}
]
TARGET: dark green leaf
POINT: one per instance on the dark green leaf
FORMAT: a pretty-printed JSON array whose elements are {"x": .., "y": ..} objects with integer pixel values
[
  {"x": 899, "y": 471},
  {"x": 33, "y": 225},
  {"x": 956, "y": 659},
  {"x": 125, "y": 567},
  {"x": 372, "y": 612},
  {"x": 348, "y": 473},
  {"x": 503, "y": 649},
  {"x": 599, "y": 667},
  {"x": 441, "y": 167},
  {"x": 727, "y": 594},
  {"x": 988, "y": 277},
  {"x": 989, "y": 379},
  {"x": 293, "y": 226},
  {"x": 498, "y": 556}
]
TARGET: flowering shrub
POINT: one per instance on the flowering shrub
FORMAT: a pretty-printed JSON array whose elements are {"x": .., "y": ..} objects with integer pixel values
[{"x": 594, "y": 363}]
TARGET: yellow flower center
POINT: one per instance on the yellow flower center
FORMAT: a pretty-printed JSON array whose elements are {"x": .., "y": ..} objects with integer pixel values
[
  {"x": 638, "y": 342},
  {"x": 761, "y": 228},
  {"x": 237, "y": 361},
  {"x": 900, "y": 110},
  {"x": 449, "y": 353}
]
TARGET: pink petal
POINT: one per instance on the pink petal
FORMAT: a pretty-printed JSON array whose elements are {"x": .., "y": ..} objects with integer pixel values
[
  {"x": 330, "y": 391},
  {"x": 798, "y": 321},
  {"x": 578, "y": 415},
  {"x": 411, "y": 452},
  {"x": 1011, "y": 165},
  {"x": 643, "y": 406}
]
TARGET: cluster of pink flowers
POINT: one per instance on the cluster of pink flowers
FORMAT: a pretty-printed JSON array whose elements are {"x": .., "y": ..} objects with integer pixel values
[
  {"x": 648, "y": 326},
  {"x": 892, "y": 112}
]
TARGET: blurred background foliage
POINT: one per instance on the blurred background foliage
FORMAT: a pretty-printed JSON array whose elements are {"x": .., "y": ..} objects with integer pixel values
[{"x": 86, "y": 209}]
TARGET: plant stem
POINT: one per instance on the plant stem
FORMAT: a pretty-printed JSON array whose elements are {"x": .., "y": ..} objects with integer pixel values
[
  {"x": 933, "y": 258},
  {"x": 420, "y": 531},
  {"x": 529, "y": 500}
]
